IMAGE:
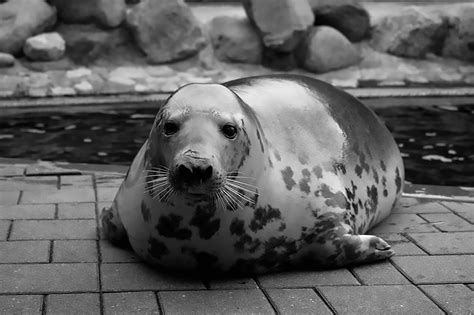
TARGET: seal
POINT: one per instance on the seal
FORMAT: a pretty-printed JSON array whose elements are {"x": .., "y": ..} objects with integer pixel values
[{"x": 257, "y": 175}]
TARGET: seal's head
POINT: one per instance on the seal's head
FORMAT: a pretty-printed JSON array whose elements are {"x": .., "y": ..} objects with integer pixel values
[{"x": 199, "y": 143}]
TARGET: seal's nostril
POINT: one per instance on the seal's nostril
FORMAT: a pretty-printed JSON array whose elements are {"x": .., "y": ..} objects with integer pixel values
[
  {"x": 208, "y": 172},
  {"x": 184, "y": 172}
]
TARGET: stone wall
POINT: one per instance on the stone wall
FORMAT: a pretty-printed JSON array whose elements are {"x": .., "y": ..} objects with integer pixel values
[{"x": 316, "y": 35}]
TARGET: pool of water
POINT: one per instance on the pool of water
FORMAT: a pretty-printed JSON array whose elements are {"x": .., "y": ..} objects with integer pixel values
[{"x": 437, "y": 142}]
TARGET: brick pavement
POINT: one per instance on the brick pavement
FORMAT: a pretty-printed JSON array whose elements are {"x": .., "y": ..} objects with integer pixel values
[{"x": 53, "y": 260}]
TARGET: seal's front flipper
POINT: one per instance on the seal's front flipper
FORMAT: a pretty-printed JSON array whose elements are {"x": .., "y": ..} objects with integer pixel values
[
  {"x": 112, "y": 227},
  {"x": 358, "y": 249}
]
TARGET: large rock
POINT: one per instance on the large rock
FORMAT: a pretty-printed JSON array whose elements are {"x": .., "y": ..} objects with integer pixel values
[
  {"x": 325, "y": 49},
  {"x": 235, "y": 40},
  {"x": 166, "y": 30},
  {"x": 410, "y": 33},
  {"x": 282, "y": 23},
  {"x": 351, "y": 19},
  {"x": 6, "y": 60},
  {"x": 87, "y": 43},
  {"x": 21, "y": 19},
  {"x": 45, "y": 47},
  {"x": 106, "y": 13},
  {"x": 460, "y": 40}
]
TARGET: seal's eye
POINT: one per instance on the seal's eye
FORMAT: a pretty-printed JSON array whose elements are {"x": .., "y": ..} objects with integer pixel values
[
  {"x": 170, "y": 128},
  {"x": 229, "y": 131}
]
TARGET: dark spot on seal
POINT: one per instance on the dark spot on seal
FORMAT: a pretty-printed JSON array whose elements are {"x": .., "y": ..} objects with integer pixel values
[
  {"x": 270, "y": 163},
  {"x": 382, "y": 165},
  {"x": 282, "y": 227},
  {"x": 398, "y": 180},
  {"x": 337, "y": 199},
  {"x": 384, "y": 181},
  {"x": 247, "y": 243},
  {"x": 304, "y": 187},
  {"x": 169, "y": 226},
  {"x": 376, "y": 175},
  {"x": 363, "y": 164},
  {"x": 202, "y": 219},
  {"x": 371, "y": 204},
  {"x": 277, "y": 155},
  {"x": 157, "y": 249},
  {"x": 288, "y": 177},
  {"x": 237, "y": 227},
  {"x": 318, "y": 171},
  {"x": 260, "y": 140},
  {"x": 146, "y": 213},
  {"x": 367, "y": 150},
  {"x": 303, "y": 158},
  {"x": 262, "y": 216},
  {"x": 355, "y": 208},
  {"x": 385, "y": 193},
  {"x": 350, "y": 192},
  {"x": 338, "y": 166},
  {"x": 358, "y": 171},
  {"x": 205, "y": 262},
  {"x": 278, "y": 252}
]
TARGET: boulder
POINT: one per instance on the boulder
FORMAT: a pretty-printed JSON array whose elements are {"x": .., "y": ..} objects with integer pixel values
[
  {"x": 282, "y": 24},
  {"x": 21, "y": 19},
  {"x": 235, "y": 40},
  {"x": 351, "y": 19},
  {"x": 325, "y": 49},
  {"x": 166, "y": 30},
  {"x": 45, "y": 47},
  {"x": 279, "y": 60},
  {"x": 106, "y": 13},
  {"x": 410, "y": 33},
  {"x": 86, "y": 43},
  {"x": 460, "y": 39},
  {"x": 6, "y": 60}
]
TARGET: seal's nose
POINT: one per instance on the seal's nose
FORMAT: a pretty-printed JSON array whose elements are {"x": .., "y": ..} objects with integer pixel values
[{"x": 193, "y": 174}]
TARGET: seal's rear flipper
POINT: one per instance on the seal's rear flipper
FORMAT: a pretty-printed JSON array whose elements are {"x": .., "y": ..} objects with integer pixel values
[
  {"x": 112, "y": 227},
  {"x": 359, "y": 249}
]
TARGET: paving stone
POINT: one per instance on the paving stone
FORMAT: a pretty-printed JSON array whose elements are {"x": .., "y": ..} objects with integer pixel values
[
  {"x": 109, "y": 180},
  {"x": 106, "y": 193},
  {"x": 420, "y": 206},
  {"x": 238, "y": 283},
  {"x": 445, "y": 243},
  {"x": 33, "y": 183},
  {"x": 454, "y": 298},
  {"x": 25, "y": 212},
  {"x": 75, "y": 251},
  {"x": 114, "y": 254},
  {"x": 54, "y": 229},
  {"x": 437, "y": 269},
  {"x": 45, "y": 278},
  {"x": 137, "y": 276},
  {"x": 48, "y": 168},
  {"x": 448, "y": 222},
  {"x": 60, "y": 196},
  {"x": 402, "y": 223},
  {"x": 4, "y": 228},
  {"x": 76, "y": 181},
  {"x": 24, "y": 252},
  {"x": 12, "y": 169},
  {"x": 84, "y": 210},
  {"x": 463, "y": 209},
  {"x": 459, "y": 207},
  {"x": 73, "y": 304},
  {"x": 9, "y": 197},
  {"x": 21, "y": 304},
  {"x": 380, "y": 273},
  {"x": 215, "y": 302},
  {"x": 297, "y": 279},
  {"x": 393, "y": 299},
  {"x": 130, "y": 303},
  {"x": 298, "y": 301},
  {"x": 401, "y": 245}
]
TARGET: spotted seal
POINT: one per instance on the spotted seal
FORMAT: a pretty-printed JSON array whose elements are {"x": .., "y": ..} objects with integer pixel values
[{"x": 258, "y": 175}]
